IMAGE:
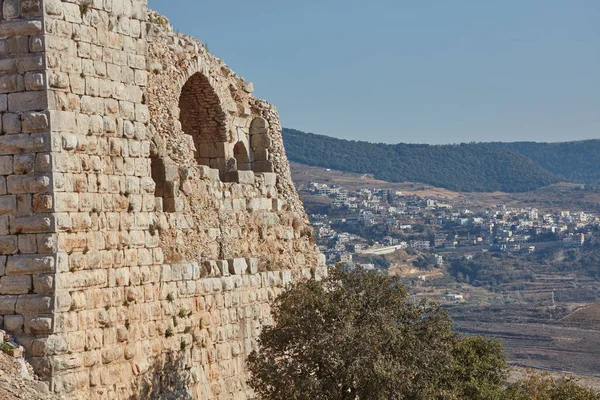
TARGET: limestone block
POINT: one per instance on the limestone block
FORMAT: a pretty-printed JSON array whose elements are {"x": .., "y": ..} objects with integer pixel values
[
  {"x": 214, "y": 174},
  {"x": 20, "y": 28},
  {"x": 262, "y": 166},
  {"x": 71, "y": 382},
  {"x": 228, "y": 283},
  {"x": 8, "y": 245},
  {"x": 19, "y": 284},
  {"x": 39, "y": 325},
  {"x": 33, "y": 304},
  {"x": 23, "y": 164},
  {"x": 270, "y": 178},
  {"x": 32, "y": 62},
  {"x": 142, "y": 114},
  {"x": 8, "y": 205},
  {"x": 18, "y": 44},
  {"x": 242, "y": 177},
  {"x": 27, "y": 101},
  {"x": 267, "y": 219},
  {"x": 278, "y": 204},
  {"x": 35, "y": 81},
  {"x": 35, "y": 122},
  {"x": 252, "y": 265},
  {"x": 67, "y": 361},
  {"x": 237, "y": 266},
  {"x": 35, "y": 142},
  {"x": 223, "y": 266},
  {"x": 11, "y": 123},
  {"x": 13, "y": 323},
  {"x": 43, "y": 284},
  {"x": 35, "y": 44},
  {"x": 259, "y": 204},
  {"x": 3, "y": 102},
  {"x": 11, "y": 83},
  {"x": 261, "y": 154},
  {"x": 28, "y": 184},
  {"x": 11, "y": 9},
  {"x": 53, "y": 7},
  {"x": 260, "y": 141},
  {"x": 63, "y": 121},
  {"x": 286, "y": 277},
  {"x": 25, "y": 264},
  {"x": 7, "y": 304}
]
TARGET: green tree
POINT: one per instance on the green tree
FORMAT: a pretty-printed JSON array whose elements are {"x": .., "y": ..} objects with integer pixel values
[
  {"x": 545, "y": 387},
  {"x": 480, "y": 369},
  {"x": 358, "y": 335}
]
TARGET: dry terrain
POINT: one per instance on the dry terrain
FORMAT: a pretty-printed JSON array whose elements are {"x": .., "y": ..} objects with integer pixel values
[
  {"x": 16, "y": 381},
  {"x": 538, "y": 336}
]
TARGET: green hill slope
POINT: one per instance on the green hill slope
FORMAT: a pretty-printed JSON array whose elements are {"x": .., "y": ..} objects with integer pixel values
[
  {"x": 463, "y": 167},
  {"x": 574, "y": 161}
]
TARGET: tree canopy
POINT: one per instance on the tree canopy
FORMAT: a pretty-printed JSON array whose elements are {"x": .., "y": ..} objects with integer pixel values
[{"x": 360, "y": 335}]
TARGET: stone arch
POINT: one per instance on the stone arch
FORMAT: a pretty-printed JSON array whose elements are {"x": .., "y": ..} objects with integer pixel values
[
  {"x": 203, "y": 118},
  {"x": 242, "y": 158},
  {"x": 260, "y": 143}
]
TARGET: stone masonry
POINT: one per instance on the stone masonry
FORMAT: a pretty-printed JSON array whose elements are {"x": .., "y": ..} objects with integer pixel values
[{"x": 147, "y": 213}]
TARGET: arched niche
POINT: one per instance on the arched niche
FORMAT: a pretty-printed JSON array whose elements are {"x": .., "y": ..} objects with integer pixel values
[
  {"x": 242, "y": 158},
  {"x": 202, "y": 118},
  {"x": 260, "y": 143}
]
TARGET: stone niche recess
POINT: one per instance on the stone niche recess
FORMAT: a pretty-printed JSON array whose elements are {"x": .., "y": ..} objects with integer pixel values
[{"x": 147, "y": 213}]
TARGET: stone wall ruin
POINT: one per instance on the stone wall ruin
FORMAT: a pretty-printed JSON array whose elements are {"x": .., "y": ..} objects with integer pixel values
[{"x": 147, "y": 213}]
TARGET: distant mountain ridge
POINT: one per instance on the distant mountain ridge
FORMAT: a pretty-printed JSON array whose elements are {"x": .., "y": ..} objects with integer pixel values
[{"x": 476, "y": 167}]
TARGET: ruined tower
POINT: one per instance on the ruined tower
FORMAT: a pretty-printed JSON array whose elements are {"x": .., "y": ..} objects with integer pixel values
[{"x": 147, "y": 214}]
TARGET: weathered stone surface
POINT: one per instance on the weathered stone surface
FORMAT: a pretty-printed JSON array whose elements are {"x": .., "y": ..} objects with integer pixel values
[
  {"x": 8, "y": 204},
  {"x": 13, "y": 323},
  {"x": 15, "y": 284},
  {"x": 29, "y": 264},
  {"x": 7, "y": 305},
  {"x": 237, "y": 266},
  {"x": 20, "y": 28},
  {"x": 33, "y": 304},
  {"x": 27, "y": 101},
  {"x": 12, "y": 144},
  {"x": 36, "y": 224},
  {"x": 142, "y": 188}
]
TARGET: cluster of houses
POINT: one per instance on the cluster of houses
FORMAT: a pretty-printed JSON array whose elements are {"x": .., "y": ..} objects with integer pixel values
[{"x": 377, "y": 221}]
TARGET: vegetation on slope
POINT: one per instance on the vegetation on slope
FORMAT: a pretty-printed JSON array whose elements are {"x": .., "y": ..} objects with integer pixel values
[
  {"x": 574, "y": 161},
  {"x": 355, "y": 335},
  {"x": 463, "y": 167}
]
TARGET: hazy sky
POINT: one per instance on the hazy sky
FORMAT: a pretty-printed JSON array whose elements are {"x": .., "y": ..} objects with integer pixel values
[{"x": 412, "y": 71}]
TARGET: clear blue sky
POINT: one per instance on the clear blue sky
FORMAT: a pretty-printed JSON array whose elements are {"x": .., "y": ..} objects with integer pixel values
[{"x": 412, "y": 71}]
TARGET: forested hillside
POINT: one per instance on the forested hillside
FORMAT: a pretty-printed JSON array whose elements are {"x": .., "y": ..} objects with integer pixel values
[
  {"x": 463, "y": 167},
  {"x": 572, "y": 161}
]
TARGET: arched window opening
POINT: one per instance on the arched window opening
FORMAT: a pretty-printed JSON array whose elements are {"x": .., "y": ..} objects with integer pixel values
[
  {"x": 260, "y": 143},
  {"x": 242, "y": 158},
  {"x": 202, "y": 117}
]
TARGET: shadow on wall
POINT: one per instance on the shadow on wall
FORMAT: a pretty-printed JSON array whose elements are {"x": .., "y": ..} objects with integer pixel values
[{"x": 168, "y": 378}]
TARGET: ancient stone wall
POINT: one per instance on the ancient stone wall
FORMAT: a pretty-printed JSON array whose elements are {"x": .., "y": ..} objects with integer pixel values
[
  {"x": 28, "y": 242},
  {"x": 148, "y": 211}
]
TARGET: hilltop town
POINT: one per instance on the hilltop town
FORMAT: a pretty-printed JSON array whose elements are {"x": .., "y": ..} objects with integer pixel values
[{"x": 379, "y": 221}]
